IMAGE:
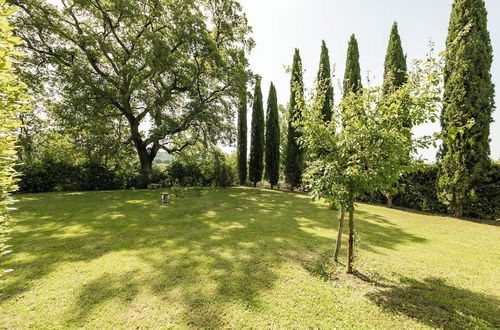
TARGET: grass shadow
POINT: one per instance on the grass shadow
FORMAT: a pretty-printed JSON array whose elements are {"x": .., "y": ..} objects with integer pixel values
[{"x": 439, "y": 305}]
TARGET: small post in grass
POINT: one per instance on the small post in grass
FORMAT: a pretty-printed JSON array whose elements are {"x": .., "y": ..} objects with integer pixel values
[{"x": 165, "y": 197}]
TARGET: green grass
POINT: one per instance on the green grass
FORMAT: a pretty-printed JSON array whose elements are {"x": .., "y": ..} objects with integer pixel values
[{"x": 241, "y": 258}]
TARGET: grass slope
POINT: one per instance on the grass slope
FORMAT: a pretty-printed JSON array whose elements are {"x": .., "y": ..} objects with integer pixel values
[{"x": 241, "y": 257}]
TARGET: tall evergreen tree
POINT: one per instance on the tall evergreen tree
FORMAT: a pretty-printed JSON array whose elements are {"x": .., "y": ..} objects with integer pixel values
[
  {"x": 395, "y": 76},
  {"x": 324, "y": 81},
  {"x": 395, "y": 62},
  {"x": 294, "y": 153},
  {"x": 352, "y": 74},
  {"x": 272, "y": 138},
  {"x": 242, "y": 137},
  {"x": 468, "y": 98},
  {"x": 256, "y": 166}
]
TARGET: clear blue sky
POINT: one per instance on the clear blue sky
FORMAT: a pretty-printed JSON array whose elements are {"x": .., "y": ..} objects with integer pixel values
[{"x": 279, "y": 26}]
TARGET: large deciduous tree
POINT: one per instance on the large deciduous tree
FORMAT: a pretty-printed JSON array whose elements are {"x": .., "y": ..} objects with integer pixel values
[
  {"x": 468, "y": 99},
  {"x": 11, "y": 105},
  {"x": 373, "y": 145},
  {"x": 324, "y": 80},
  {"x": 256, "y": 166},
  {"x": 170, "y": 68},
  {"x": 294, "y": 162},
  {"x": 272, "y": 155},
  {"x": 242, "y": 137}
]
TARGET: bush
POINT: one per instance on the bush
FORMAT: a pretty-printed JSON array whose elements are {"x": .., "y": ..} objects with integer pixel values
[
  {"x": 185, "y": 174},
  {"x": 420, "y": 193},
  {"x": 51, "y": 175}
]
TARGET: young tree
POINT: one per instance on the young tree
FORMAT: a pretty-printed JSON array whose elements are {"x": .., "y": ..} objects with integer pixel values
[
  {"x": 174, "y": 65},
  {"x": 372, "y": 146},
  {"x": 256, "y": 166},
  {"x": 468, "y": 99},
  {"x": 11, "y": 104},
  {"x": 325, "y": 79},
  {"x": 242, "y": 137},
  {"x": 352, "y": 74},
  {"x": 272, "y": 138},
  {"x": 352, "y": 84},
  {"x": 294, "y": 162},
  {"x": 394, "y": 77}
]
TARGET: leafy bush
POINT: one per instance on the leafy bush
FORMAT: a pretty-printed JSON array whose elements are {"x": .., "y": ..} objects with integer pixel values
[
  {"x": 54, "y": 175},
  {"x": 420, "y": 193}
]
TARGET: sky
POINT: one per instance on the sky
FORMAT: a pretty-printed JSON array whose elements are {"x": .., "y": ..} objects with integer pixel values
[{"x": 280, "y": 26}]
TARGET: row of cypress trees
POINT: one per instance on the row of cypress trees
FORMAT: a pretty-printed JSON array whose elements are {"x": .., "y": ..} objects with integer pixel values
[{"x": 465, "y": 120}]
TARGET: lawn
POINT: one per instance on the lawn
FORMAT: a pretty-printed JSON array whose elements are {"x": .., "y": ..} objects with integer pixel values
[{"x": 241, "y": 257}]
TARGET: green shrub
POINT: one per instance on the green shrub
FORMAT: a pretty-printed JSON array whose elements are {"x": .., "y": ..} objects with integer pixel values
[{"x": 420, "y": 193}]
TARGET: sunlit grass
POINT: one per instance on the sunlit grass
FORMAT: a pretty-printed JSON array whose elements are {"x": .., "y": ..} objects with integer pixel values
[{"x": 241, "y": 257}]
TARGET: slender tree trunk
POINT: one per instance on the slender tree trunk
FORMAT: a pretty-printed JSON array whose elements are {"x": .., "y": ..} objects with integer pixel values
[
  {"x": 339, "y": 233},
  {"x": 390, "y": 198},
  {"x": 255, "y": 184},
  {"x": 350, "y": 257},
  {"x": 459, "y": 209}
]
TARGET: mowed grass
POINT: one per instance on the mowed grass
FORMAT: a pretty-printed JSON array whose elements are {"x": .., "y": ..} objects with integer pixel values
[{"x": 241, "y": 258}]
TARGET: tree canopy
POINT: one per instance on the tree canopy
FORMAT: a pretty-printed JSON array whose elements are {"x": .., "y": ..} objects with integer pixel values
[
  {"x": 294, "y": 161},
  {"x": 256, "y": 165},
  {"x": 324, "y": 79},
  {"x": 272, "y": 155},
  {"x": 169, "y": 69},
  {"x": 468, "y": 104},
  {"x": 352, "y": 74}
]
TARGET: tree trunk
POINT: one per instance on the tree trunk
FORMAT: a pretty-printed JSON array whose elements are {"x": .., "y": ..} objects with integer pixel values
[
  {"x": 390, "y": 198},
  {"x": 255, "y": 184},
  {"x": 459, "y": 209},
  {"x": 350, "y": 257},
  {"x": 339, "y": 233},
  {"x": 146, "y": 156}
]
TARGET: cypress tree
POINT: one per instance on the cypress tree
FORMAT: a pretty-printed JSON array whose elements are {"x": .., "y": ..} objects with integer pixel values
[
  {"x": 256, "y": 166},
  {"x": 468, "y": 97},
  {"x": 272, "y": 138},
  {"x": 324, "y": 81},
  {"x": 394, "y": 77},
  {"x": 294, "y": 154},
  {"x": 395, "y": 62},
  {"x": 242, "y": 137},
  {"x": 352, "y": 74}
]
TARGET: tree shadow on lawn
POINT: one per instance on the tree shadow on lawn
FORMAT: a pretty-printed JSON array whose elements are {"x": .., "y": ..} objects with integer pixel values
[
  {"x": 439, "y": 305},
  {"x": 234, "y": 240}
]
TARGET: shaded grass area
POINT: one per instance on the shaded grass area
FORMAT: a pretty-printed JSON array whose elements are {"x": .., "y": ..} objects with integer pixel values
[{"x": 241, "y": 257}]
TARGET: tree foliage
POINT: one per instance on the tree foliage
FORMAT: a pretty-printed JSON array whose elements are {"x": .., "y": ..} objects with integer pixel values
[
  {"x": 395, "y": 62},
  {"x": 324, "y": 79},
  {"x": 272, "y": 155},
  {"x": 172, "y": 65},
  {"x": 294, "y": 162},
  {"x": 352, "y": 74},
  {"x": 12, "y": 102},
  {"x": 256, "y": 166},
  {"x": 373, "y": 144},
  {"x": 394, "y": 77},
  {"x": 467, "y": 106},
  {"x": 242, "y": 137}
]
